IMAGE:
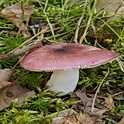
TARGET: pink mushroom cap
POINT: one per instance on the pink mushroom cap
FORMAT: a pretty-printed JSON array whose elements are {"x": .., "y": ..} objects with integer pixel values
[{"x": 66, "y": 56}]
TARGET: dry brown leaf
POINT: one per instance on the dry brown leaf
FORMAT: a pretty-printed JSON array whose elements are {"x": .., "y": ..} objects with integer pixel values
[
  {"x": 63, "y": 114},
  {"x": 100, "y": 112},
  {"x": 83, "y": 97},
  {"x": 89, "y": 119},
  {"x": 66, "y": 112},
  {"x": 87, "y": 101},
  {"x": 15, "y": 14},
  {"x": 5, "y": 74},
  {"x": 122, "y": 121},
  {"x": 11, "y": 92},
  {"x": 109, "y": 103},
  {"x": 104, "y": 103},
  {"x": 80, "y": 118}
]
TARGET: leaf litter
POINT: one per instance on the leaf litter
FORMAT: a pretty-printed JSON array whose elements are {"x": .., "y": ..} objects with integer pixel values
[
  {"x": 84, "y": 114},
  {"x": 10, "y": 91},
  {"x": 19, "y": 14}
]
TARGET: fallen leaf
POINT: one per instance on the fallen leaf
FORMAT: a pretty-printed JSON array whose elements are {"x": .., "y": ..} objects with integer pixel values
[
  {"x": 5, "y": 74},
  {"x": 103, "y": 102},
  {"x": 100, "y": 112},
  {"x": 67, "y": 112},
  {"x": 83, "y": 97},
  {"x": 80, "y": 118},
  {"x": 63, "y": 114},
  {"x": 109, "y": 103},
  {"x": 17, "y": 14},
  {"x": 70, "y": 120},
  {"x": 87, "y": 101},
  {"x": 89, "y": 118},
  {"x": 21, "y": 51},
  {"x": 11, "y": 92}
]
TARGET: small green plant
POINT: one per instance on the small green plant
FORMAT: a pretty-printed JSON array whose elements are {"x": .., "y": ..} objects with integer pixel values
[
  {"x": 8, "y": 63},
  {"x": 115, "y": 114},
  {"x": 7, "y": 45},
  {"x": 10, "y": 43},
  {"x": 29, "y": 79},
  {"x": 16, "y": 116},
  {"x": 109, "y": 121},
  {"x": 41, "y": 108},
  {"x": 119, "y": 109},
  {"x": 45, "y": 103}
]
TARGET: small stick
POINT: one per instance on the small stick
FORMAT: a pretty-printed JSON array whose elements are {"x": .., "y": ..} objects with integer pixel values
[
  {"x": 116, "y": 94},
  {"x": 17, "y": 51},
  {"x": 21, "y": 51},
  {"x": 94, "y": 99},
  {"x": 41, "y": 32}
]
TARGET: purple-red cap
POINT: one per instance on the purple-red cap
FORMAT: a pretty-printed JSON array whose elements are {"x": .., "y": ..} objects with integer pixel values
[{"x": 66, "y": 56}]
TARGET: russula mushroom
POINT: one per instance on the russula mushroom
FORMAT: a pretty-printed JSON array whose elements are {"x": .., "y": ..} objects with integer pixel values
[{"x": 65, "y": 59}]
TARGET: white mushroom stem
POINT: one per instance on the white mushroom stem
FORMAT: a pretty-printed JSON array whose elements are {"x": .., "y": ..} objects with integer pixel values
[{"x": 64, "y": 81}]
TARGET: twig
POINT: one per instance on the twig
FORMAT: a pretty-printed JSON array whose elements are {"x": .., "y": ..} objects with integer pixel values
[
  {"x": 19, "y": 60},
  {"x": 116, "y": 94},
  {"x": 21, "y": 51},
  {"x": 98, "y": 90},
  {"x": 41, "y": 32}
]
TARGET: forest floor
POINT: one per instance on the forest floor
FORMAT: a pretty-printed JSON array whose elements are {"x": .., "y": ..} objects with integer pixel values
[{"x": 29, "y": 24}]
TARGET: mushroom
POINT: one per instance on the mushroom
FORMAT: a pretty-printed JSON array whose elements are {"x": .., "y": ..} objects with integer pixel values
[{"x": 65, "y": 60}]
